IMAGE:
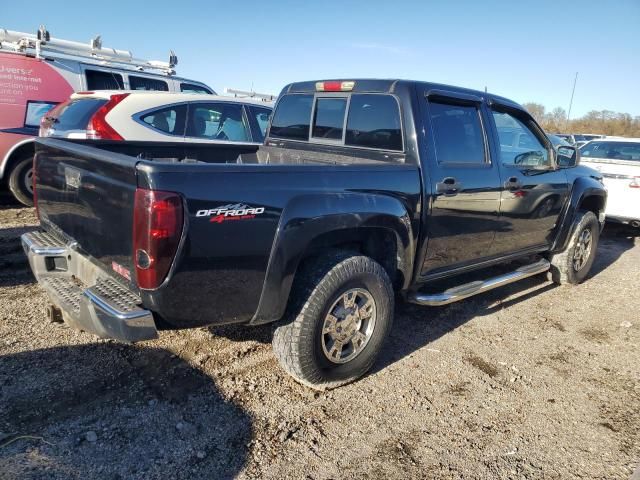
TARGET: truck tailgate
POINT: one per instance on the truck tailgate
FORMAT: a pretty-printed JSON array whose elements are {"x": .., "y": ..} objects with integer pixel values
[{"x": 88, "y": 195}]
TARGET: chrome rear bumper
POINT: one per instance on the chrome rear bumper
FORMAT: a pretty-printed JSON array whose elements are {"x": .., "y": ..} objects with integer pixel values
[{"x": 89, "y": 299}]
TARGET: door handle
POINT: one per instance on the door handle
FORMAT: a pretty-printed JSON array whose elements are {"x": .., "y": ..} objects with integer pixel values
[
  {"x": 512, "y": 184},
  {"x": 448, "y": 186}
]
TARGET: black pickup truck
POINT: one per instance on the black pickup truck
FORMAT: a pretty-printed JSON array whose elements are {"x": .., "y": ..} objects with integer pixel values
[{"x": 364, "y": 189}]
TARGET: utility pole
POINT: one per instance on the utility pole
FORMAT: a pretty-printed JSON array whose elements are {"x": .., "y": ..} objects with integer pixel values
[{"x": 575, "y": 80}]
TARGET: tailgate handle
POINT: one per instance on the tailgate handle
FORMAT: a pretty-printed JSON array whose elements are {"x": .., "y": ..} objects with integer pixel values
[{"x": 448, "y": 186}]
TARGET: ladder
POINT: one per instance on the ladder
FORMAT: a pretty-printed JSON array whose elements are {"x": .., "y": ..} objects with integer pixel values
[
  {"x": 41, "y": 45},
  {"x": 266, "y": 97}
]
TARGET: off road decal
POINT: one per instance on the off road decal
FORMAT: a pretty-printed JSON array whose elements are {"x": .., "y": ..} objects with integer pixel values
[{"x": 235, "y": 211}]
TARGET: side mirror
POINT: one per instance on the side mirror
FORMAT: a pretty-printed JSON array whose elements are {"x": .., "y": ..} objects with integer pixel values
[{"x": 567, "y": 156}]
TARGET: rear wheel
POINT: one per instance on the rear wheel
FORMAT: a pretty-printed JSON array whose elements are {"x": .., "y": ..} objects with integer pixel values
[
  {"x": 21, "y": 181},
  {"x": 573, "y": 264},
  {"x": 340, "y": 315}
]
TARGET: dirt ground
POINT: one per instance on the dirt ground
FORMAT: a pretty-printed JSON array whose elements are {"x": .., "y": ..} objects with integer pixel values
[{"x": 528, "y": 381}]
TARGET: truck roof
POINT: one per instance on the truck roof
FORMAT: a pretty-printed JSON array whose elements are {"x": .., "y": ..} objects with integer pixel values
[{"x": 373, "y": 85}]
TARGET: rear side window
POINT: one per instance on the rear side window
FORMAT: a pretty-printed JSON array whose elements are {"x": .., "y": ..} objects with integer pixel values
[
  {"x": 292, "y": 117},
  {"x": 457, "y": 133},
  {"x": 145, "y": 83},
  {"x": 192, "y": 88},
  {"x": 168, "y": 120},
  {"x": 76, "y": 114},
  {"x": 217, "y": 121},
  {"x": 99, "y": 80},
  {"x": 374, "y": 122},
  {"x": 328, "y": 118}
]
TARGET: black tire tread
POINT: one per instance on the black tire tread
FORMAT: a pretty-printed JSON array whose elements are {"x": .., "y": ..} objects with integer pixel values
[
  {"x": 293, "y": 333},
  {"x": 15, "y": 179},
  {"x": 561, "y": 270}
]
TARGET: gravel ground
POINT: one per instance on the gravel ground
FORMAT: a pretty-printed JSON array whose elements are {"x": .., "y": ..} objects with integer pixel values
[{"x": 529, "y": 381}]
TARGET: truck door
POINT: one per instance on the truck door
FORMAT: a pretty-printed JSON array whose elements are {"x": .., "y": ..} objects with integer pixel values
[
  {"x": 533, "y": 190},
  {"x": 464, "y": 182}
]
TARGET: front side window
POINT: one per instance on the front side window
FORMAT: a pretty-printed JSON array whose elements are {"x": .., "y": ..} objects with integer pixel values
[
  {"x": 328, "y": 119},
  {"x": 611, "y": 150},
  {"x": 146, "y": 83},
  {"x": 101, "y": 80},
  {"x": 374, "y": 122},
  {"x": 519, "y": 146},
  {"x": 291, "y": 118},
  {"x": 217, "y": 121},
  {"x": 168, "y": 120},
  {"x": 457, "y": 133},
  {"x": 192, "y": 88}
]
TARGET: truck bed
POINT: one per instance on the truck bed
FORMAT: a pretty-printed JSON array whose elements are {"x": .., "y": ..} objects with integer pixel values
[{"x": 85, "y": 196}]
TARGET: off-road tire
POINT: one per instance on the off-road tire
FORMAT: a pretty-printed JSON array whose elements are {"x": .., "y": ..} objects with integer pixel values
[
  {"x": 17, "y": 181},
  {"x": 297, "y": 339},
  {"x": 562, "y": 266}
]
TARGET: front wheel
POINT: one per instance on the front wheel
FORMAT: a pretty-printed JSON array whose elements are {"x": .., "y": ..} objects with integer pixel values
[
  {"x": 572, "y": 265},
  {"x": 21, "y": 181},
  {"x": 341, "y": 312}
]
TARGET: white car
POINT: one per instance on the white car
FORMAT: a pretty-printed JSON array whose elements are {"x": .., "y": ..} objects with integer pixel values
[
  {"x": 158, "y": 117},
  {"x": 619, "y": 162}
]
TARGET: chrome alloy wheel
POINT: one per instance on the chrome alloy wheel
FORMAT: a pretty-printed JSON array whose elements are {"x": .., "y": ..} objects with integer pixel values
[
  {"x": 349, "y": 325},
  {"x": 582, "y": 251}
]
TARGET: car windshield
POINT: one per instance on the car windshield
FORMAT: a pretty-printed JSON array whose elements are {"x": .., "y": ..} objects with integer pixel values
[
  {"x": 611, "y": 150},
  {"x": 585, "y": 138}
]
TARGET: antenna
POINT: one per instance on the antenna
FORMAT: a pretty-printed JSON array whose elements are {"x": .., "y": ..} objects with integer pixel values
[{"x": 575, "y": 80}]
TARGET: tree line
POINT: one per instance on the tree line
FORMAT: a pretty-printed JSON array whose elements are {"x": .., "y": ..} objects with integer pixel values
[{"x": 604, "y": 122}]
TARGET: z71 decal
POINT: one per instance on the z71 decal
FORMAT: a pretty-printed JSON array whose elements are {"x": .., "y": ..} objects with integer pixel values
[{"x": 235, "y": 211}]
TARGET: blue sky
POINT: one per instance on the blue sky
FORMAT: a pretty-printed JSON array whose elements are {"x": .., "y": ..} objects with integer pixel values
[{"x": 527, "y": 53}]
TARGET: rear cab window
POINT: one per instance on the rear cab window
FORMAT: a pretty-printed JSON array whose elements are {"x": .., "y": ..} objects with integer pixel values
[
  {"x": 374, "y": 122},
  {"x": 328, "y": 118},
  {"x": 362, "y": 120},
  {"x": 292, "y": 117}
]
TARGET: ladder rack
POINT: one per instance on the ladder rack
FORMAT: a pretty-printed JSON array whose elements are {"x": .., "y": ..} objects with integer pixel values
[
  {"x": 41, "y": 45},
  {"x": 267, "y": 97}
]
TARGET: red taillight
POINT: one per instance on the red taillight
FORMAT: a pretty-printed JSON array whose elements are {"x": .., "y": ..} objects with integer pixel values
[
  {"x": 334, "y": 86},
  {"x": 157, "y": 227},
  {"x": 635, "y": 183},
  {"x": 98, "y": 128}
]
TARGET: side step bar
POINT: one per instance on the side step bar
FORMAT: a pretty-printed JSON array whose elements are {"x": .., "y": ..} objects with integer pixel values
[{"x": 473, "y": 288}]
